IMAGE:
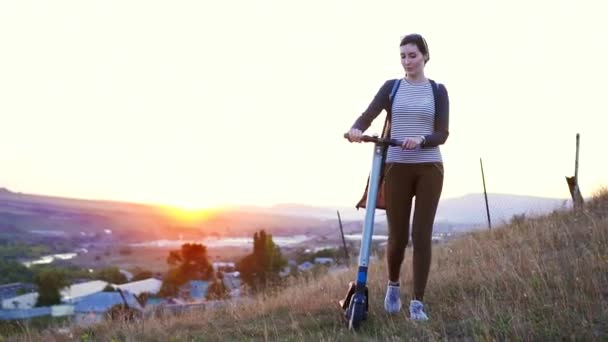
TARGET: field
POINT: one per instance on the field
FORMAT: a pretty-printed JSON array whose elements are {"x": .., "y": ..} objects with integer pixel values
[{"x": 534, "y": 279}]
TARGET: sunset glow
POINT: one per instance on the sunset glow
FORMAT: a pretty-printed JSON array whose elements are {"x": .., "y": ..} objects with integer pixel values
[
  {"x": 153, "y": 102},
  {"x": 189, "y": 215}
]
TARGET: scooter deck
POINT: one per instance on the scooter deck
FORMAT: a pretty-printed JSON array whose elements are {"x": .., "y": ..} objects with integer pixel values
[{"x": 345, "y": 302}]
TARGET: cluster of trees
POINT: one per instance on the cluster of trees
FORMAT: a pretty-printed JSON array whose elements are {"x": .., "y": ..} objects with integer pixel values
[
  {"x": 142, "y": 274},
  {"x": 261, "y": 268},
  {"x": 50, "y": 282},
  {"x": 12, "y": 272},
  {"x": 258, "y": 270},
  {"x": 188, "y": 263},
  {"x": 10, "y": 251},
  {"x": 111, "y": 275}
]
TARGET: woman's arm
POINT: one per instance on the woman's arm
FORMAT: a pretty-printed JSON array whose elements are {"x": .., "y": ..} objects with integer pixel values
[
  {"x": 379, "y": 103},
  {"x": 442, "y": 120}
]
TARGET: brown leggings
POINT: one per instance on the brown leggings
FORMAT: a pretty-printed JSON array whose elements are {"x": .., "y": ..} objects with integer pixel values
[{"x": 403, "y": 182}]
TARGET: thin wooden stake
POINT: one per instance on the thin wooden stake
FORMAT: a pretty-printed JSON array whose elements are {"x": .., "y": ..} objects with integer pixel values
[
  {"x": 342, "y": 234},
  {"x": 575, "y": 192},
  {"x": 483, "y": 178},
  {"x": 578, "y": 139}
]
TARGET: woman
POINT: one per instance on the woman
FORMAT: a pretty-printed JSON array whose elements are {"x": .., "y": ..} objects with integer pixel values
[{"x": 418, "y": 114}]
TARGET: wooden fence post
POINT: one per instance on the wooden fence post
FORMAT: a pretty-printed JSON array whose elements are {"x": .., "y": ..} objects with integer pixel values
[
  {"x": 343, "y": 240},
  {"x": 575, "y": 192},
  {"x": 485, "y": 194}
]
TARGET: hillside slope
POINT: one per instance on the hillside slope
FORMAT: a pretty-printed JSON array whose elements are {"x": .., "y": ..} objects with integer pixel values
[{"x": 538, "y": 279}]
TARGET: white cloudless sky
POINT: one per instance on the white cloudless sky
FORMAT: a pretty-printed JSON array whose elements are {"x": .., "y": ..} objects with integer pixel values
[{"x": 201, "y": 103}]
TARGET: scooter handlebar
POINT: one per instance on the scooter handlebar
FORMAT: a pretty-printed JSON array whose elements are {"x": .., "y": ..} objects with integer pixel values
[{"x": 378, "y": 140}]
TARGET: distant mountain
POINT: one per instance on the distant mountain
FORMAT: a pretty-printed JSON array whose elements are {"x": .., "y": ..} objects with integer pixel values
[
  {"x": 471, "y": 208},
  {"x": 467, "y": 209},
  {"x": 300, "y": 210},
  {"x": 24, "y": 213}
]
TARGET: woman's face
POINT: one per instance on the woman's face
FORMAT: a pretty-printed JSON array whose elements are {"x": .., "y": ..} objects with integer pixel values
[{"x": 412, "y": 59}]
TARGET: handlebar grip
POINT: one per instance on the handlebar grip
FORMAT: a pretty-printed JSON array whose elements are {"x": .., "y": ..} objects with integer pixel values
[{"x": 376, "y": 139}]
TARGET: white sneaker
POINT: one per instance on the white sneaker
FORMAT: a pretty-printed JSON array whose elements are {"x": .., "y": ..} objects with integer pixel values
[
  {"x": 417, "y": 311},
  {"x": 392, "y": 300}
]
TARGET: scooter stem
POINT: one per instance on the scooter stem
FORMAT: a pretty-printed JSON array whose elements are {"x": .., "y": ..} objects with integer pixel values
[{"x": 368, "y": 226}]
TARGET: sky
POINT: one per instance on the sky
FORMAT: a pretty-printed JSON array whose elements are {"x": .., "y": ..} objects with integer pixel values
[{"x": 211, "y": 103}]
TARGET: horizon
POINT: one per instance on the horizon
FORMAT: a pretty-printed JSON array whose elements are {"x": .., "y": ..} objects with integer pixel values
[
  {"x": 200, "y": 105},
  {"x": 240, "y": 206}
]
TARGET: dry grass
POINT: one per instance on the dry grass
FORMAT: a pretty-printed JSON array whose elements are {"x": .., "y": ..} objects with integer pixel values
[{"x": 538, "y": 279}]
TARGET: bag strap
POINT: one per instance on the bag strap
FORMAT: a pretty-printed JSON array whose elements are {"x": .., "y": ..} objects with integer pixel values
[
  {"x": 396, "y": 85},
  {"x": 386, "y": 129},
  {"x": 435, "y": 88}
]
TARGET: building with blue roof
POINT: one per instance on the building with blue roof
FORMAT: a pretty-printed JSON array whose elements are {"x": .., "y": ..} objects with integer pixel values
[{"x": 93, "y": 308}]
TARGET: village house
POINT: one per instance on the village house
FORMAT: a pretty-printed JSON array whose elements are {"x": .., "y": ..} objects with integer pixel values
[
  {"x": 25, "y": 301},
  {"x": 96, "y": 302},
  {"x": 194, "y": 290},
  {"x": 324, "y": 261},
  {"x": 69, "y": 295},
  {"x": 305, "y": 266},
  {"x": 224, "y": 267},
  {"x": 150, "y": 285},
  {"x": 232, "y": 281},
  {"x": 73, "y": 293},
  {"x": 89, "y": 304},
  {"x": 15, "y": 289},
  {"x": 95, "y": 307}
]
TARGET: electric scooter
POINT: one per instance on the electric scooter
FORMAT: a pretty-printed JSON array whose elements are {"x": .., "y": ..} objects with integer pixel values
[{"x": 355, "y": 304}]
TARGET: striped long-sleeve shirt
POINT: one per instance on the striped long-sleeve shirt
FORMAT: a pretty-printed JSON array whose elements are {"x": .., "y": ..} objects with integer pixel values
[
  {"x": 435, "y": 134},
  {"x": 413, "y": 115}
]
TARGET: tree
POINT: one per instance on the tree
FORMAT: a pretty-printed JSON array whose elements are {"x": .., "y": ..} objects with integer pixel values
[
  {"x": 142, "y": 274},
  {"x": 71, "y": 272},
  {"x": 188, "y": 263},
  {"x": 111, "y": 275},
  {"x": 50, "y": 282},
  {"x": 327, "y": 253},
  {"x": 262, "y": 267},
  {"x": 12, "y": 272},
  {"x": 109, "y": 288},
  {"x": 15, "y": 251}
]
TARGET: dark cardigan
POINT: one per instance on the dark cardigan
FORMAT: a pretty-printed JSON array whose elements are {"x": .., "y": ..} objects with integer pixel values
[{"x": 381, "y": 101}]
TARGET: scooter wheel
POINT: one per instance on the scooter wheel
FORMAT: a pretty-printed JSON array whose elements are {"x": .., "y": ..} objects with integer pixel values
[{"x": 357, "y": 312}]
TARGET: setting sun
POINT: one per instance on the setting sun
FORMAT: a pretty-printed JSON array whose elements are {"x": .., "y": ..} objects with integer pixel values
[{"x": 189, "y": 214}]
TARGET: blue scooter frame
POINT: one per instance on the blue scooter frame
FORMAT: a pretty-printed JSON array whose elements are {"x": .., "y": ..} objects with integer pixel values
[{"x": 355, "y": 304}]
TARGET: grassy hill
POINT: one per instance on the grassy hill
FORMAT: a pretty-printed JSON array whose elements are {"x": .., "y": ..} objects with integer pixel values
[{"x": 534, "y": 279}]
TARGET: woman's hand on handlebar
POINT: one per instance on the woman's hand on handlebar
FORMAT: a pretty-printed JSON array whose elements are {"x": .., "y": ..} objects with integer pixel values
[
  {"x": 354, "y": 135},
  {"x": 411, "y": 143}
]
